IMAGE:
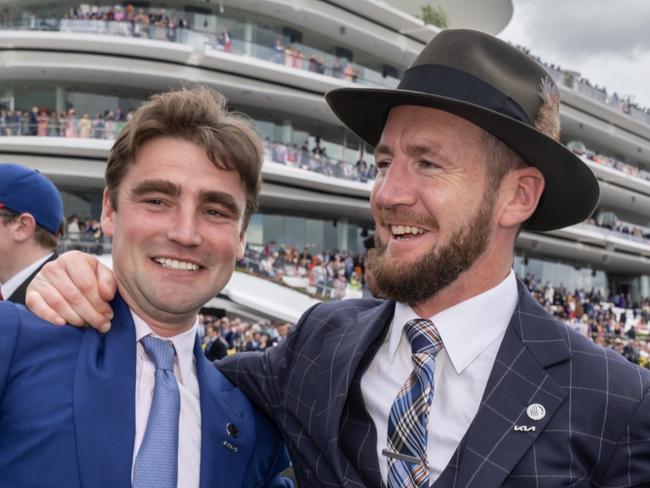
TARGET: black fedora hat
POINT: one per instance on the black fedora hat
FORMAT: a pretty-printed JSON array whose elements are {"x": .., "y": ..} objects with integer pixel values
[{"x": 499, "y": 88}]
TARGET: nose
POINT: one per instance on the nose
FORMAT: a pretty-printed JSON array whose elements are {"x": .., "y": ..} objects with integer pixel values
[
  {"x": 397, "y": 186},
  {"x": 183, "y": 227}
]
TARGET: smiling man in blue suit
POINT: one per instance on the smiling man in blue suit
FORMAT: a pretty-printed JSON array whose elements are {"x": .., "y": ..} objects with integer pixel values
[{"x": 141, "y": 406}]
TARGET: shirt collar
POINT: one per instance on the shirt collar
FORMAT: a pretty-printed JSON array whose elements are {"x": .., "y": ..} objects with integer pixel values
[
  {"x": 183, "y": 343},
  {"x": 482, "y": 318},
  {"x": 16, "y": 280}
]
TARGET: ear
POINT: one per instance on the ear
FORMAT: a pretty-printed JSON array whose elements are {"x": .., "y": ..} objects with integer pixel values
[
  {"x": 24, "y": 227},
  {"x": 242, "y": 245},
  {"x": 109, "y": 214},
  {"x": 521, "y": 188}
]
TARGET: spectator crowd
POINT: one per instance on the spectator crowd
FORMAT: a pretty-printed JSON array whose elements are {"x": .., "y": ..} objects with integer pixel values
[
  {"x": 573, "y": 80},
  {"x": 44, "y": 122},
  {"x": 615, "y": 321}
]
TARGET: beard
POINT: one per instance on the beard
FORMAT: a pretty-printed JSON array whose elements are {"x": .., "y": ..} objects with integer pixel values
[{"x": 438, "y": 268}]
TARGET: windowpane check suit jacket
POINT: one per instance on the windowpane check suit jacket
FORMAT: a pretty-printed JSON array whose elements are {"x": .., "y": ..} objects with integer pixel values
[
  {"x": 596, "y": 431},
  {"x": 67, "y": 410}
]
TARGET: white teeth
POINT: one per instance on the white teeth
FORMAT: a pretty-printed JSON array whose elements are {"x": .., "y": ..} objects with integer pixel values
[
  {"x": 178, "y": 265},
  {"x": 405, "y": 229}
]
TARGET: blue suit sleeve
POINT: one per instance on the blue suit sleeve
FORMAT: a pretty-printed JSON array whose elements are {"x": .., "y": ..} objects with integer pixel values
[
  {"x": 270, "y": 457},
  {"x": 9, "y": 331}
]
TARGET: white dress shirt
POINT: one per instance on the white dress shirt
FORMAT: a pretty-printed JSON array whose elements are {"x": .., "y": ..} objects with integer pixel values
[
  {"x": 189, "y": 425},
  {"x": 16, "y": 280},
  {"x": 471, "y": 333}
]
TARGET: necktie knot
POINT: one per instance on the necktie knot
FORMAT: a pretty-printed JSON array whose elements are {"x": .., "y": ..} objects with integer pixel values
[
  {"x": 423, "y": 336},
  {"x": 160, "y": 352}
]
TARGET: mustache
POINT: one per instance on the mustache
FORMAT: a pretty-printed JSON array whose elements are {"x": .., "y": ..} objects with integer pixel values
[{"x": 407, "y": 216}]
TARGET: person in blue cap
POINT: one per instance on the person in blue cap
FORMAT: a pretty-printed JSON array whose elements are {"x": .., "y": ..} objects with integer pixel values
[{"x": 31, "y": 215}]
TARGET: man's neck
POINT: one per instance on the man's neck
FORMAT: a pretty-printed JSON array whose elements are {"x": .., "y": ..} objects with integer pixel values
[
  {"x": 23, "y": 257},
  {"x": 161, "y": 324}
]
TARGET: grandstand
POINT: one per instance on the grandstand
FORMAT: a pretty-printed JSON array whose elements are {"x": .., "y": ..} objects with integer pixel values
[{"x": 73, "y": 72}]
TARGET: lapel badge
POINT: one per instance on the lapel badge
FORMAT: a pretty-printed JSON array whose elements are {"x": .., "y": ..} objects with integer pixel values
[
  {"x": 536, "y": 411},
  {"x": 230, "y": 447},
  {"x": 232, "y": 430}
]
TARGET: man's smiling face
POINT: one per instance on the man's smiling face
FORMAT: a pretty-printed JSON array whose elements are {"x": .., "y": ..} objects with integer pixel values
[
  {"x": 432, "y": 202},
  {"x": 177, "y": 231}
]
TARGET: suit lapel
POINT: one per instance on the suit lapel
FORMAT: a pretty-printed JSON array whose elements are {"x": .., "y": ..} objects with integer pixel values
[
  {"x": 342, "y": 351},
  {"x": 224, "y": 458},
  {"x": 492, "y": 446},
  {"x": 104, "y": 402}
]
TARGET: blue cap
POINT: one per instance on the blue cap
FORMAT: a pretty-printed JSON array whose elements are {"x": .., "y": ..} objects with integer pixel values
[{"x": 24, "y": 190}]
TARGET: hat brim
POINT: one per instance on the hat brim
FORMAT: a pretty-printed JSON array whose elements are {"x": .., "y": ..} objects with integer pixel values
[{"x": 571, "y": 189}]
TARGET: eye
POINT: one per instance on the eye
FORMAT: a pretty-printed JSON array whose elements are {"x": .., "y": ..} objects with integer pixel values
[
  {"x": 426, "y": 164},
  {"x": 213, "y": 212},
  {"x": 382, "y": 166},
  {"x": 157, "y": 202}
]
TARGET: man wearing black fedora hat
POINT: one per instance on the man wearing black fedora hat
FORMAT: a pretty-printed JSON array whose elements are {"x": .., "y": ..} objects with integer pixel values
[{"x": 460, "y": 378}]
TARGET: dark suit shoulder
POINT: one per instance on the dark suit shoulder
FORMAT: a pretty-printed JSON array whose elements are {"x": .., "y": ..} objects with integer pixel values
[
  {"x": 331, "y": 315},
  {"x": 592, "y": 360}
]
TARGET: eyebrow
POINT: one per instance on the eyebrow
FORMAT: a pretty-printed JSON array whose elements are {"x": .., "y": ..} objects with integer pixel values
[
  {"x": 221, "y": 198},
  {"x": 156, "y": 186},
  {"x": 413, "y": 150},
  {"x": 172, "y": 189}
]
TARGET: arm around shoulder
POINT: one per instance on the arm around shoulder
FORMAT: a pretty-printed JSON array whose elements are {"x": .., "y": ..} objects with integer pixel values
[
  {"x": 260, "y": 375},
  {"x": 630, "y": 463}
]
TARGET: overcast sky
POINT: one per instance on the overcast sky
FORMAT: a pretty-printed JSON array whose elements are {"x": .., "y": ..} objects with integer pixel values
[{"x": 607, "y": 41}]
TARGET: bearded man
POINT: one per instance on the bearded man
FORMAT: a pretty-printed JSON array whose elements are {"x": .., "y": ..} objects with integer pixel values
[{"x": 459, "y": 379}]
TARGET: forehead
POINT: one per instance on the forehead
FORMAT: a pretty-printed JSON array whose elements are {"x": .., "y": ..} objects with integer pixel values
[
  {"x": 413, "y": 121},
  {"x": 182, "y": 162}
]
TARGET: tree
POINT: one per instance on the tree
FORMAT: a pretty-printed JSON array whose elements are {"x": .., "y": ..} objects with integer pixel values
[{"x": 434, "y": 15}]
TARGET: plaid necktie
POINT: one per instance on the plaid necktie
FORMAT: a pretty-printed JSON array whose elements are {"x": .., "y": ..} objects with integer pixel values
[
  {"x": 407, "y": 422},
  {"x": 156, "y": 465}
]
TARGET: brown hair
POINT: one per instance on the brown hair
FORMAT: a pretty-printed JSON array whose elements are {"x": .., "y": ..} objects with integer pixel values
[
  {"x": 43, "y": 237},
  {"x": 197, "y": 115},
  {"x": 500, "y": 159}
]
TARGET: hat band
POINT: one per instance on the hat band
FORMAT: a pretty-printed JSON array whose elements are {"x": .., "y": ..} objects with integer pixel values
[{"x": 448, "y": 82}]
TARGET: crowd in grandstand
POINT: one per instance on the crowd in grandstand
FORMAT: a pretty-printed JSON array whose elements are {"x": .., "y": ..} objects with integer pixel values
[
  {"x": 44, "y": 122},
  {"x": 160, "y": 25},
  {"x": 614, "y": 321},
  {"x": 330, "y": 274},
  {"x": 571, "y": 79},
  {"x": 316, "y": 159}
]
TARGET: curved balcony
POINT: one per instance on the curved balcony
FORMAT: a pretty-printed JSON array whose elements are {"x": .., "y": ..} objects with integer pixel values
[{"x": 281, "y": 50}]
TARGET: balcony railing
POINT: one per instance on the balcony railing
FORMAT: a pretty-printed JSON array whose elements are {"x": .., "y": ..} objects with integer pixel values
[{"x": 295, "y": 55}]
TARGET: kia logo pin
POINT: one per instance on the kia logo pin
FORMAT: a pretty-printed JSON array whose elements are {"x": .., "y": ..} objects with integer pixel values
[{"x": 535, "y": 411}]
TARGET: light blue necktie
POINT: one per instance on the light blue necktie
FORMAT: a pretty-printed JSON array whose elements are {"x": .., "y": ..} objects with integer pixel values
[
  {"x": 156, "y": 465},
  {"x": 407, "y": 423}
]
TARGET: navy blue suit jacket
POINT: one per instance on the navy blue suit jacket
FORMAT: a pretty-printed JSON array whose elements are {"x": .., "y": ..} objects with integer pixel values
[
  {"x": 596, "y": 431},
  {"x": 67, "y": 410}
]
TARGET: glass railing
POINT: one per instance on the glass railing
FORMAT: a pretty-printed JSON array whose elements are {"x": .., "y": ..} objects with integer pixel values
[
  {"x": 295, "y": 55},
  {"x": 628, "y": 169},
  {"x": 315, "y": 160},
  {"x": 90, "y": 245},
  {"x": 622, "y": 230},
  {"x": 318, "y": 162}
]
